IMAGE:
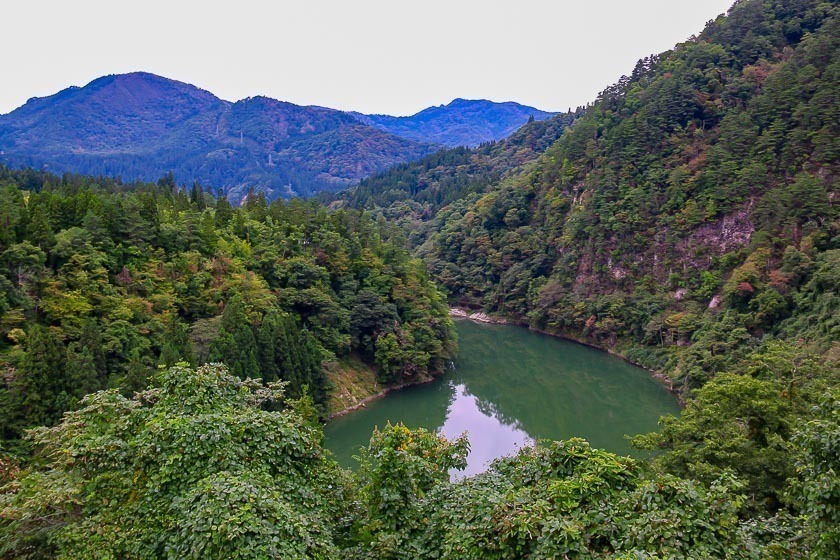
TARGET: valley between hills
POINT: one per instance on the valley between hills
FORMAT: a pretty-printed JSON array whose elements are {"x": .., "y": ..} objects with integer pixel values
[{"x": 190, "y": 288}]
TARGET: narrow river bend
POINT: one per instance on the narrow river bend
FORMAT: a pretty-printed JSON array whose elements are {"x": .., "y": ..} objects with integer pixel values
[{"x": 510, "y": 386}]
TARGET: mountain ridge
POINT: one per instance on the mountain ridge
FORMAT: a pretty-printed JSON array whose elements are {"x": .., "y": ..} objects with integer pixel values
[
  {"x": 140, "y": 126},
  {"x": 461, "y": 122}
]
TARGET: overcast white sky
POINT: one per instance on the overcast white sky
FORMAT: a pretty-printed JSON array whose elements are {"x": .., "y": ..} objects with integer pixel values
[{"x": 375, "y": 56}]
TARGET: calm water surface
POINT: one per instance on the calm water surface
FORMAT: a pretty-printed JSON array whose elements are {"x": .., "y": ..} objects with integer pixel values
[{"x": 510, "y": 386}]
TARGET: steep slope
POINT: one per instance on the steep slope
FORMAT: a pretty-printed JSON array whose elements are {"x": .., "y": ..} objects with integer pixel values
[
  {"x": 462, "y": 122},
  {"x": 140, "y": 126},
  {"x": 689, "y": 221},
  {"x": 687, "y": 214},
  {"x": 410, "y": 194}
]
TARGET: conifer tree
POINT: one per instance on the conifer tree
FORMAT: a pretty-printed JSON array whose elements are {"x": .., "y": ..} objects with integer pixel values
[
  {"x": 197, "y": 196},
  {"x": 224, "y": 211},
  {"x": 136, "y": 376},
  {"x": 267, "y": 344},
  {"x": 81, "y": 375},
  {"x": 42, "y": 376},
  {"x": 39, "y": 230},
  {"x": 91, "y": 341},
  {"x": 236, "y": 345}
]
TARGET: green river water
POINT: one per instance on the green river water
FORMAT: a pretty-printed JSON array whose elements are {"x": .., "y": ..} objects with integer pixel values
[{"x": 510, "y": 386}]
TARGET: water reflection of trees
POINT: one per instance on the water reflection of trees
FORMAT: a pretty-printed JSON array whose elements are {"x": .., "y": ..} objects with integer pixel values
[
  {"x": 554, "y": 389},
  {"x": 543, "y": 387},
  {"x": 489, "y": 408},
  {"x": 423, "y": 406}
]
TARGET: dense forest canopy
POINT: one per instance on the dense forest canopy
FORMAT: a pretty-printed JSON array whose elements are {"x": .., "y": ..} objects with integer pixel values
[
  {"x": 102, "y": 282},
  {"x": 687, "y": 219},
  {"x": 410, "y": 194}
]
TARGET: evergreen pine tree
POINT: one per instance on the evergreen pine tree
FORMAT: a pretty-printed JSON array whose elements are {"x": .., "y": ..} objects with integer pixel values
[
  {"x": 91, "y": 341},
  {"x": 42, "y": 376},
  {"x": 197, "y": 196},
  {"x": 177, "y": 346},
  {"x": 236, "y": 345},
  {"x": 268, "y": 350},
  {"x": 317, "y": 377},
  {"x": 82, "y": 377},
  {"x": 136, "y": 376},
  {"x": 224, "y": 211},
  {"x": 39, "y": 230}
]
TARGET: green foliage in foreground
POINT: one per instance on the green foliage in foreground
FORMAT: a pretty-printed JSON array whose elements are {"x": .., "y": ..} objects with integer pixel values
[
  {"x": 194, "y": 468},
  {"x": 202, "y": 467}
]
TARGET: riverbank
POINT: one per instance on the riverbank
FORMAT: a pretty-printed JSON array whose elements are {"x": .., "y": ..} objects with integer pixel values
[
  {"x": 480, "y": 317},
  {"x": 355, "y": 385},
  {"x": 375, "y": 396}
]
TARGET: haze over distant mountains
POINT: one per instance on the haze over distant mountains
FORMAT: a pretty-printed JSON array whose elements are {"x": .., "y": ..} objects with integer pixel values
[
  {"x": 462, "y": 122},
  {"x": 141, "y": 126}
]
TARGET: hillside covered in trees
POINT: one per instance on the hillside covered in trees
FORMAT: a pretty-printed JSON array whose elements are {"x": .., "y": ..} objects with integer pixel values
[
  {"x": 699, "y": 191},
  {"x": 410, "y": 194},
  {"x": 101, "y": 283},
  {"x": 687, "y": 219}
]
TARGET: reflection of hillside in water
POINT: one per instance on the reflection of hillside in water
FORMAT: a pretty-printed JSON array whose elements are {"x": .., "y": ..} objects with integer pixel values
[
  {"x": 557, "y": 389},
  {"x": 490, "y": 437},
  {"x": 489, "y": 408},
  {"x": 511, "y": 385},
  {"x": 344, "y": 435}
]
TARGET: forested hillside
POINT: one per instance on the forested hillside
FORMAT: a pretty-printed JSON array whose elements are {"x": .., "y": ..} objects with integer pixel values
[
  {"x": 100, "y": 283},
  {"x": 410, "y": 194},
  {"x": 689, "y": 214},
  {"x": 687, "y": 219}
]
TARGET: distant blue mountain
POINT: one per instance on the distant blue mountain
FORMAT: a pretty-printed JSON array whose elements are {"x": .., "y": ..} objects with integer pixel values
[
  {"x": 462, "y": 122},
  {"x": 141, "y": 126}
]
